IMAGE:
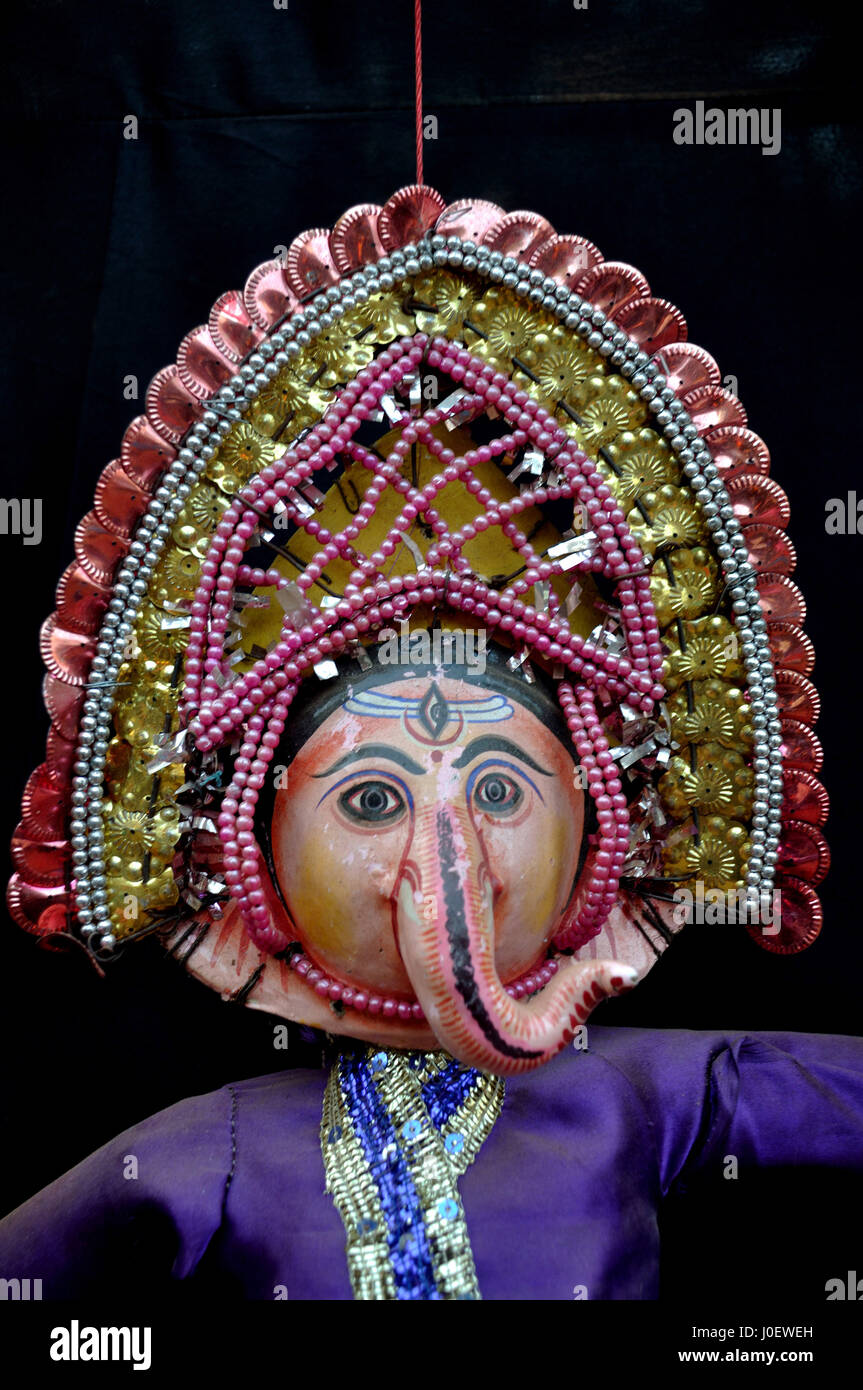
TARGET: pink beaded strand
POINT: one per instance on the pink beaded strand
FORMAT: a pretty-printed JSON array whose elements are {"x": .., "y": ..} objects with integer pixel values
[{"x": 219, "y": 703}]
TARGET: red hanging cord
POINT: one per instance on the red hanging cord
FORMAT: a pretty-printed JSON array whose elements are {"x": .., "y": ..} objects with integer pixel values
[{"x": 418, "y": 57}]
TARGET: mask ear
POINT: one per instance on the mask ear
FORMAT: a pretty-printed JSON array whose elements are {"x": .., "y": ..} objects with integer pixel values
[{"x": 637, "y": 932}]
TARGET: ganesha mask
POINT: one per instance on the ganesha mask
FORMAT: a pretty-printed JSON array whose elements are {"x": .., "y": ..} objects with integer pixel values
[{"x": 433, "y": 629}]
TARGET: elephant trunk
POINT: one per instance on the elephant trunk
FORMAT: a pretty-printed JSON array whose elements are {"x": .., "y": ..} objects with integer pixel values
[{"x": 444, "y": 907}]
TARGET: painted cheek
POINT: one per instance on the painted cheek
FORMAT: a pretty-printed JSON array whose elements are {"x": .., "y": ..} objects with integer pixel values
[
  {"x": 337, "y": 883},
  {"x": 320, "y": 889},
  {"x": 551, "y": 869},
  {"x": 340, "y": 903},
  {"x": 535, "y": 863}
]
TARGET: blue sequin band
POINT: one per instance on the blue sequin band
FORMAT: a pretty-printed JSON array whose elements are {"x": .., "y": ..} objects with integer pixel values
[{"x": 398, "y": 1130}]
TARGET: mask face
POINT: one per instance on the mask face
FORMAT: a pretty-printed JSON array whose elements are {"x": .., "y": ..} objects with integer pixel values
[{"x": 403, "y": 780}]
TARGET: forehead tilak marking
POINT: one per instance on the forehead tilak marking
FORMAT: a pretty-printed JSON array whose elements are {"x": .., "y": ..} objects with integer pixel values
[
  {"x": 434, "y": 714},
  {"x": 380, "y": 704},
  {"x": 429, "y": 718}
]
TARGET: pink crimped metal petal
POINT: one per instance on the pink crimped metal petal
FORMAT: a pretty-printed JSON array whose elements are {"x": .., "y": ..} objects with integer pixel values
[
  {"x": 792, "y": 650},
  {"x": 613, "y": 285},
  {"x": 310, "y": 267},
  {"x": 81, "y": 601},
  {"x": 804, "y": 798},
  {"x": 797, "y": 697},
  {"x": 59, "y": 756},
  {"x": 769, "y": 548},
  {"x": 145, "y": 454},
  {"x": 737, "y": 450},
  {"x": 42, "y": 862},
  {"x": 120, "y": 502},
  {"x": 518, "y": 234},
  {"x": 170, "y": 408},
  {"x": 654, "y": 323},
  {"x": 801, "y": 919},
  {"x": 688, "y": 367},
  {"x": 36, "y": 908},
  {"x": 67, "y": 655},
  {"x": 355, "y": 239},
  {"x": 99, "y": 550},
  {"x": 712, "y": 406},
  {"x": 231, "y": 328},
  {"x": 755, "y": 497},
  {"x": 800, "y": 747},
  {"x": 803, "y": 852},
  {"x": 409, "y": 214},
  {"x": 567, "y": 259},
  {"x": 267, "y": 296},
  {"x": 43, "y": 807},
  {"x": 63, "y": 703},
  {"x": 469, "y": 218},
  {"x": 780, "y": 598},
  {"x": 202, "y": 366}
]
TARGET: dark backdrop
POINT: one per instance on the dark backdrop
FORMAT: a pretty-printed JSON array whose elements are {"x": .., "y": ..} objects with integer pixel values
[{"x": 255, "y": 123}]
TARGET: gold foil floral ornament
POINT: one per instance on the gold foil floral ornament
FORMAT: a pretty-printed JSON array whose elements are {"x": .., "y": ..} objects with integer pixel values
[
  {"x": 642, "y": 462},
  {"x": 384, "y": 316},
  {"x": 507, "y": 329},
  {"x": 683, "y": 584},
  {"x": 137, "y": 903},
  {"x": 139, "y": 849},
  {"x": 715, "y": 852},
  {"x": 162, "y": 634},
  {"x": 448, "y": 301},
  {"x": 665, "y": 519},
  {"x": 716, "y": 780},
  {"x": 129, "y": 782},
  {"x": 198, "y": 520},
  {"x": 711, "y": 711},
  {"x": 701, "y": 649},
  {"x": 339, "y": 354},
  {"x": 607, "y": 406},
  {"x": 176, "y": 577},
  {"x": 243, "y": 452},
  {"x": 130, "y": 836},
  {"x": 148, "y": 709},
  {"x": 562, "y": 364},
  {"x": 288, "y": 405}
]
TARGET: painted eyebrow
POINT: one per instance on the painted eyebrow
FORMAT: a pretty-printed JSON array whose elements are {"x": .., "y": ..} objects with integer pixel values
[
  {"x": 493, "y": 743},
  {"x": 375, "y": 750}
]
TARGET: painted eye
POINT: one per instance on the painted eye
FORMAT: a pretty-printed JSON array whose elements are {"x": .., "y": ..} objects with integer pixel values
[
  {"x": 372, "y": 803},
  {"x": 497, "y": 794}
]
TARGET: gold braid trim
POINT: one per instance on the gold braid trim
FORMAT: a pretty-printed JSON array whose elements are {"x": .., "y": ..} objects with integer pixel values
[{"x": 353, "y": 1190}]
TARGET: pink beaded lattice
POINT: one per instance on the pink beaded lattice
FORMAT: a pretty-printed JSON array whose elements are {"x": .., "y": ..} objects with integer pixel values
[{"x": 256, "y": 704}]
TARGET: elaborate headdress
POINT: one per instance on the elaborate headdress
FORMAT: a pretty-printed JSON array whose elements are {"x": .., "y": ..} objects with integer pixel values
[{"x": 432, "y": 414}]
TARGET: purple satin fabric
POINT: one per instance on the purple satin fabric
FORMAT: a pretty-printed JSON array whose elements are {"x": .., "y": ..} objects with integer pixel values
[{"x": 565, "y": 1191}]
